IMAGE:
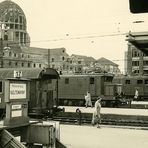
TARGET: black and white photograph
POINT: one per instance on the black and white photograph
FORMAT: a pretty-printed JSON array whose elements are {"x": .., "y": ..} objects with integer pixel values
[{"x": 73, "y": 74}]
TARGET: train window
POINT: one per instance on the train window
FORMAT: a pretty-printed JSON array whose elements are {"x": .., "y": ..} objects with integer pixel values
[
  {"x": 92, "y": 81},
  {"x": 0, "y": 86},
  {"x": 139, "y": 81},
  {"x": 108, "y": 79},
  {"x": 127, "y": 82},
  {"x": 66, "y": 80},
  {"x": 146, "y": 81}
]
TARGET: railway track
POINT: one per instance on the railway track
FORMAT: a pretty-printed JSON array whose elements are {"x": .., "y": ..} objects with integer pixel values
[{"x": 87, "y": 121}]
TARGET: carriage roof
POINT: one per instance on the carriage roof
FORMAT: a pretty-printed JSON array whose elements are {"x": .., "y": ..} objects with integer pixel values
[{"x": 29, "y": 73}]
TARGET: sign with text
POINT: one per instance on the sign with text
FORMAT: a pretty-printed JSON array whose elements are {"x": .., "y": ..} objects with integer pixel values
[
  {"x": 17, "y": 91},
  {"x": 17, "y": 74}
]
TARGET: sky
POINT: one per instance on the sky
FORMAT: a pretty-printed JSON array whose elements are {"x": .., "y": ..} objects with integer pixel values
[{"x": 94, "y": 28}]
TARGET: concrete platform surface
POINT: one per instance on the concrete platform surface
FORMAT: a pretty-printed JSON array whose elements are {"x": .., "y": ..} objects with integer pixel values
[
  {"x": 74, "y": 136},
  {"x": 118, "y": 111}
]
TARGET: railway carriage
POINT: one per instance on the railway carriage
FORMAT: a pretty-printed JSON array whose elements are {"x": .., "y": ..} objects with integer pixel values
[
  {"x": 43, "y": 97},
  {"x": 131, "y": 83}
]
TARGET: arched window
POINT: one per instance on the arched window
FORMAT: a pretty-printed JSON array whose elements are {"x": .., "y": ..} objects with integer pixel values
[{"x": 6, "y": 37}]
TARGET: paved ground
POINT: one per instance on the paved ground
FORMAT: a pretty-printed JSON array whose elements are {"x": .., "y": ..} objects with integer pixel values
[{"x": 74, "y": 136}]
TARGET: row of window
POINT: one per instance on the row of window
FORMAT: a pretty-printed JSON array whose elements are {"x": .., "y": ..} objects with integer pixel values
[
  {"x": 136, "y": 63},
  {"x": 137, "y": 82},
  {"x": 16, "y": 55},
  {"x": 92, "y": 80},
  {"x": 11, "y": 64}
]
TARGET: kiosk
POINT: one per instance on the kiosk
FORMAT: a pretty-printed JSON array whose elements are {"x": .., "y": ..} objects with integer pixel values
[{"x": 16, "y": 97}]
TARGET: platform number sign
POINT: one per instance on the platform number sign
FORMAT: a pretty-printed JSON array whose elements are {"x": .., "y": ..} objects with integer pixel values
[{"x": 17, "y": 74}]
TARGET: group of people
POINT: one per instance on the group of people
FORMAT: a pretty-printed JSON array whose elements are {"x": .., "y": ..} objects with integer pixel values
[{"x": 96, "y": 117}]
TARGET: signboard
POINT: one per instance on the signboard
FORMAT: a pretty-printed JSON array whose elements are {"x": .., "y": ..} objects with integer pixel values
[
  {"x": 17, "y": 74},
  {"x": 19, "y": 106},
  {"x": 17, "y": 91},
  {"x": 16, "y": 113}
]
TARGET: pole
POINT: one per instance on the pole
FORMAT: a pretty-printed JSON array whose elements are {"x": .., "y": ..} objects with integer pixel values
[
  {"x": 48, "y": 58},
  {"x": 1, "y": 53}
]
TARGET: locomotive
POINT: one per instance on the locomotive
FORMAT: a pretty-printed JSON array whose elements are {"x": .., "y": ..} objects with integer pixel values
[{"x": 73, "y": 88}]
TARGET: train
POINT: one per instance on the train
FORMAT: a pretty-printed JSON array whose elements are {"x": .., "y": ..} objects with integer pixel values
[
  {"x": 43, "y": 98},
  {"x": 48, "y": 90},
  {"x": 132, "y": 83},
  {"x": 115, "y": 91},
  {"x": 73, "y": 88}
]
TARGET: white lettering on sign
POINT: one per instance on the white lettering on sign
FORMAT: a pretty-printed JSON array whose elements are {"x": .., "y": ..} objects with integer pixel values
[
  {"x": 19, "y": 106},
  {"x": 17, "y": 74},
  {"x": 17, "y": 91}
]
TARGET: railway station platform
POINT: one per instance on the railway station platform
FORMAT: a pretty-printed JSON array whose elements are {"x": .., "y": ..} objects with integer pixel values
[
  {"x": 113, "y": 116},
  {"x": 139, "y": 104}
]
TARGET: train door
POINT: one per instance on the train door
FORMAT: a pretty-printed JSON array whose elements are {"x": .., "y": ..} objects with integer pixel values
[
  {"x": 47, "y": 95},
  {"x": 118, "y": 88},
  {"x": 109, "y": 90}
]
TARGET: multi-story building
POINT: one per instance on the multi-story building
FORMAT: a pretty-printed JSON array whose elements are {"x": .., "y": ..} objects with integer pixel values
[
  {"x": 106, "y": 65},
  {"x": 15, "y": 50},
  {"x": 136, "y": 56}
]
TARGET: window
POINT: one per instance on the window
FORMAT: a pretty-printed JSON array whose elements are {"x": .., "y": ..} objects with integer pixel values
[
  {"x": 63, "y": 58},
  {"x": 28, "y": 64},
  {"x": 145, "y": 63},
  {"x": 17, "y": 34},
  {"x": 1, "y": 86},
  {"x": 135, "y": 63},
  {"x": 9, "y": 63},
  {"x": 11, "y": 26},
  {"x": 146, "y": 81},
  {"x": 10, "y": 54},
  {"x": 79, "y": 62},
  {"x": 5, "y": 37},
  {"x": 127, "y": 81},
  {"x": 34, "y": 65},
  {"x": 91, "y": 81},
  {"x": 22, "y": 64},
  {"x": 66, "y": 80},
  {"x": 139, "y": 81},
  {"x": 52, "y": 59},
  {"x": 40, "y": 65}
]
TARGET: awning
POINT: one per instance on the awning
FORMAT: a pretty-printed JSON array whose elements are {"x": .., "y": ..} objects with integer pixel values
[{"x": 139, "y": 40}]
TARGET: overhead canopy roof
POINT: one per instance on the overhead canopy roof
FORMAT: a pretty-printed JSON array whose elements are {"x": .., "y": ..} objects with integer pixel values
[
  {"x": 139, "y": 40},
  {"x": 29, "y": 73}
]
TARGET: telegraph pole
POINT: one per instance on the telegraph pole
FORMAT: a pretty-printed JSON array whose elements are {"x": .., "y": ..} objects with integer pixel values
[
  {"x": 1, "y": 53},
  {"x": 48, "y": 58}
]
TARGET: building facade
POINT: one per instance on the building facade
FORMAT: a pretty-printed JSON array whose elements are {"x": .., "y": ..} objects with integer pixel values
[{"x": 15, "y": 50}]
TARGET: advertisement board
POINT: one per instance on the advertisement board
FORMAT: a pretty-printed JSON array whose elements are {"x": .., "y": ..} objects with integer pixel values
[{"x": 17, "y": 91}]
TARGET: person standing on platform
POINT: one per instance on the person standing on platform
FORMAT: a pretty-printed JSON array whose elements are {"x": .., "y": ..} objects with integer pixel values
[
  {"x": 136, "y": 94},
  {"x": 96, "y": 118},
  {"x": 88, "y": 100}
]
